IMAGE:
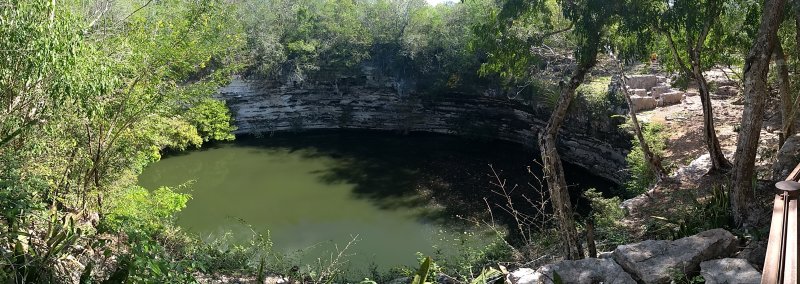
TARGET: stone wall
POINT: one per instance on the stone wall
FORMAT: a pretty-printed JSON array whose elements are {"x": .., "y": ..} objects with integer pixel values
[{"x": 265, "y": 107}]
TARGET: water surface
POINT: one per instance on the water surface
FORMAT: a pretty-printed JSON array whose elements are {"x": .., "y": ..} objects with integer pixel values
[{"x": 400, "y": 194}]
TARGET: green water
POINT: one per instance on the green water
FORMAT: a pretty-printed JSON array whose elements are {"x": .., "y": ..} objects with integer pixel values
[{"x": 398, "y": 194}]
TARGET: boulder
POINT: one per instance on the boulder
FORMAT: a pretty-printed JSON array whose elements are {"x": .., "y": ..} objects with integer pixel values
[
  {"x": 692, "y": 94},
  {"x": 727, "y": 91},
  {"x": 642, "y": 103},
  {"x": 642, "y": 81},
  {"x": 670, "y": 98},
  {"x": 584, "y": 271},
  {"x": 754, "y": 252},
  {"x": 788, "y": 157},
  {"x": 524, "y": 276},
  {"x": 729, "y": 270},
  {"x": 656, "y": 261}
]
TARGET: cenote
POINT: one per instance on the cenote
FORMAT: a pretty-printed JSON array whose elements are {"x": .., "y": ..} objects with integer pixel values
[{"x": 399, "y": 194}]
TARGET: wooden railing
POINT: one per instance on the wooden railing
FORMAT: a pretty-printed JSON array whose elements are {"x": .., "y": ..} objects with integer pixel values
[{"x": 780, "y": 264}]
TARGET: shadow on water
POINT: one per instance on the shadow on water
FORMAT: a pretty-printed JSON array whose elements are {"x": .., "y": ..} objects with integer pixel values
[{"x": 436, "y": 176}]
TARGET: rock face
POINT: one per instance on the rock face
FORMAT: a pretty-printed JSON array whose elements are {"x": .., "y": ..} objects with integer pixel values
[
  {"x": 788, "y": 157},
  {"x": 358, "y": 103},
  {"x": 729, "y": 271},
  {"x": 656, "y": 261},
  {"x": 584, "y": 271},
  {"x": 651, "y": 261}
]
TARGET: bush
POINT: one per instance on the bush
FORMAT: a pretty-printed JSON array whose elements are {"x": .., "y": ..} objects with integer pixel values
[
  {"x": 606, "y": 213},
  {"x": 139, "y": 209},
  {"x": 707, "y": 213},
  {"x": 641, "y": 176},
  {"x": 212, "y": 120}
]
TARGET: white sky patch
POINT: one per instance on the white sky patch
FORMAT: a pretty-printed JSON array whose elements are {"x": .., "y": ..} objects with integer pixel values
[{"x": 435, "y": 2}]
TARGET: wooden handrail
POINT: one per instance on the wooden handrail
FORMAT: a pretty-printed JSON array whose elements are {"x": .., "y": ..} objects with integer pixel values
[{"x": 780, "y": 263}]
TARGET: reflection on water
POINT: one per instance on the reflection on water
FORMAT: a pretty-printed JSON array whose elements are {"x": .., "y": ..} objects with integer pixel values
[{"x": 397, "y": 193}]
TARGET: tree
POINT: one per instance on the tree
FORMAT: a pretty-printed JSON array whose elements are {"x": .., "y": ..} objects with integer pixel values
[
  {"x": 755, "y": 92},
  {"x": 686, "y": 26},
  {"x": 653, "y": 161},
  {"x": 586, "y": 22}
]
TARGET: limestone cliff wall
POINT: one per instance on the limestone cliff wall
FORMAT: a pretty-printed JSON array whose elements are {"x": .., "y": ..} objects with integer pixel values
[{"x": 264, "y": 107}]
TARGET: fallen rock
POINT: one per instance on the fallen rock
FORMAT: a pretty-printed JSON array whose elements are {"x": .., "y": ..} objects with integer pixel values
[
  {"x": 656, "y": 261},
  {"x": 523, "y": 276},
  {"x": 727, "y": 91},
  {"x": 729, "y": 270},
  {"x": 788, "y": 157},
  {"x": 584, "y": 271}
]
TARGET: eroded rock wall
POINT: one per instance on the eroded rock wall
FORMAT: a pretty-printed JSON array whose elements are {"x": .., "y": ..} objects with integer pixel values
[{"x": 265, "y": 107}]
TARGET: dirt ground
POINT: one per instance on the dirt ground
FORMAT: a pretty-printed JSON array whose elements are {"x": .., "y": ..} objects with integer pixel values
[{"x": 685, "y": 147}]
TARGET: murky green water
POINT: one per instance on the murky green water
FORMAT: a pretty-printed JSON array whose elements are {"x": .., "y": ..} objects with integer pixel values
[{"x": 399, "y": 194}]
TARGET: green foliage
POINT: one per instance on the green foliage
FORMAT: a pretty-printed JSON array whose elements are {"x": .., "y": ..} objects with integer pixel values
[
  {"x": 641, "y": 177},
  {"x": 139, "y": 209},
  {"x": 421, "y": 276},
  {"x": 606, "y": 214},
  {"x": 487, "y": 275},
  {"x": 212, "y": 120},
  {"x": 699, "y": 215}
]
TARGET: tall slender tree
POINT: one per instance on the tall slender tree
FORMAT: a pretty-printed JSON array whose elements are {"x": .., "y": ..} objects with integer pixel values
[
  {"x": 586, "y": 22},
  {"x": 755, "y": 93},
  {"x": 686, "y": 26}
]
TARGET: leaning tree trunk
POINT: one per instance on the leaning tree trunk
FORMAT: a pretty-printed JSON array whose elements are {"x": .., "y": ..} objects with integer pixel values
[
  {"x": 653, "y": 161},
  {"x": 755, "y": 92},
  {"x": 554, "y": 171},
  {"x": 787, "y": 102}
]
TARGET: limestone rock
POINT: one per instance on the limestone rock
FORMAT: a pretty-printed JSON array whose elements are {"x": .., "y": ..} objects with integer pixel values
[
  {"x": 754, "y": 253},
  {"x": 523, "y": 276},
  {"x": 788, "y": 157},
  {"x": 727, "y": 91},
  {"x": 657, "y": 91},
  {"x": 729, "y": 271},
  {"x": 266, "y": 107},
  {"x": 639, "y": 92},
  {"x": 584, "y": 271},
  {"x": 655, "y": 261},
  {"x": 642, "y": 81},
  {"x": 643, "y": 103},
  {"x": 670, "y": 98}
]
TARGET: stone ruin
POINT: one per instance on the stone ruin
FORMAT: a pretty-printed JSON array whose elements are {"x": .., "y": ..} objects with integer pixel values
[{"x": 651, "y": 91}]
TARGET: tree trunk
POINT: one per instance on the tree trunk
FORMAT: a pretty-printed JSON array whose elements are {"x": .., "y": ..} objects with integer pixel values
[
  {"x": 787, "y": 102},
  {"x": 653, "y": 161},
  {"x": 755, "y": 93},
  {"x": 553, "y": 169},
  {"x": 718, "y": 161}
]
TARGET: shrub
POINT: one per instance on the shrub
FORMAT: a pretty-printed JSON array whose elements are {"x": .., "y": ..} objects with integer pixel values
[
  {"x": 641, "y": 176},
  {"x": 139, "y": 209},
  {"x": 212, "y": 120},
  {"x": 606, "y": 213}
]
